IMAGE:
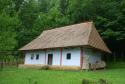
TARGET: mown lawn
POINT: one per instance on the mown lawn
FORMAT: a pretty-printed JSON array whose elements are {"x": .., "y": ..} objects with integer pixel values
[{"x": 32, "y": 76}]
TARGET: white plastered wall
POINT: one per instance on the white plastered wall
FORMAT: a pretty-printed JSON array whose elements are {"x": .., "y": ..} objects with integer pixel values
[
  {"x": 90, "y": 56},
  {"x": 75, "y": 57},
  {"x": 41, "y": 59}
]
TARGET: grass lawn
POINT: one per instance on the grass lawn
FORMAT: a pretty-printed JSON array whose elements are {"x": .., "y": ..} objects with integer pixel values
[{"x": 32, "y": 76}]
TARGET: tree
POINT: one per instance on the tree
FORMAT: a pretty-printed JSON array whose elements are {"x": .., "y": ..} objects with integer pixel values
[
  {"x": 43, "y": 5},
  {"x": 81, "y": 10},
  {"x": 27, "y": 15},
  {"x": 63, "y": 6},
  {"x": 8, "y": 26}
]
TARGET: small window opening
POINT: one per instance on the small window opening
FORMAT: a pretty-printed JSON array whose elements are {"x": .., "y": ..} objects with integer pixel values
[
  {"x": 68, "y": 57},
  {"x": 37, "y": 56},
  {"x": 32, "y": 56}
]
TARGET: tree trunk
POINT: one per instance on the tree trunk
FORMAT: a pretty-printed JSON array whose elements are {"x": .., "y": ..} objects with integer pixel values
[
  {"x": 114, "y": 55},
  {"x": 1, "y": 65}
]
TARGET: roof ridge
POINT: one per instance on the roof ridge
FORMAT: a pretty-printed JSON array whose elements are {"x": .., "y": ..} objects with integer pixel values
[{"x": 68, "y": 26}]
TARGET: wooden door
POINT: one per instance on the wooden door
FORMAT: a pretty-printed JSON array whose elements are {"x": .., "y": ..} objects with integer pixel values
[{"x": 50, "y": 59}]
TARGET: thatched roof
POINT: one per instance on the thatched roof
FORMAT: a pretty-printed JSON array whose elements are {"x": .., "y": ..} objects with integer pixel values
[{"x": 83, "y": 34}]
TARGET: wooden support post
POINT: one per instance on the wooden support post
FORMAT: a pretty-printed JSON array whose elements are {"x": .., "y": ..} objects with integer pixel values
[
  {"x": 122, "y": 54},
  {"x": 17, "y": 63},
  {"x": 61, "y": 57},
  {"x": 81, "y": 57},
  {"x": 45, "y": 57},
  {"x": 1, "y": 64}
]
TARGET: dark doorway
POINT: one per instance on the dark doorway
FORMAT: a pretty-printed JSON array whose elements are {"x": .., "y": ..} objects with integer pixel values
[{"x": 50, "y": 59}]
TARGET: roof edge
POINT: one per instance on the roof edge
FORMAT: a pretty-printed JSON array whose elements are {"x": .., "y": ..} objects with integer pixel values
[{"x": 90, "y": 32}]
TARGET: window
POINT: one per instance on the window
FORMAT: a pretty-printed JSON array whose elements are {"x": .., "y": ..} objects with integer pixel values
[
  {"x": 32, "y": 56},
  {"x": 68, "y": 57},
  {"x": 37, "y": 56}
]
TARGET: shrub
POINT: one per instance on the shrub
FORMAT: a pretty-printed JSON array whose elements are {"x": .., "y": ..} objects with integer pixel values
[
  {"x": 44, "y": 67},
  {"x": 102, "y": 81},
  {"x": 32, "y": 81},
  {"x": 85, "y": 81}
]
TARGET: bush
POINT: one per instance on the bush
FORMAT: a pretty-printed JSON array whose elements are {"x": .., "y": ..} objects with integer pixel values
[
  {"x": 44, "y": 68},
  {"x": 85, "y": 81},
  {"x": 101, "y": 81},
  {"x": 32, "y": 81}
]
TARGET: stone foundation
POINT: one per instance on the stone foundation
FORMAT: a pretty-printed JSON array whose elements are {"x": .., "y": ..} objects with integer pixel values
[{"x": 53, "y": 67}]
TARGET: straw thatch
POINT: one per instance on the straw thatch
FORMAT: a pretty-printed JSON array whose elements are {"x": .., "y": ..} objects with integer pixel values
[{"x": 69, "y": 36}]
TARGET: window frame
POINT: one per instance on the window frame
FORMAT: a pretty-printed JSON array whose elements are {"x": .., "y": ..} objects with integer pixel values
[
  {"x": 32, "y": 56},
  {"x": 37, "y": 56},
  {"x": 68, "y": 56}
]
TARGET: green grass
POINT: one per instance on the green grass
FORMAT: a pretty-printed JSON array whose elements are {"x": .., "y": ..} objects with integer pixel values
[
  {"x": 32, "y": 76},
  {"x": 119, "y": 64}
]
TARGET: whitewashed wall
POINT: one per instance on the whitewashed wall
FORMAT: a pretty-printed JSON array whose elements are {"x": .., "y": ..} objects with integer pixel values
[
  {"x": 41, "y": 59},
  {"x": 75, "y": 57},
  {"x": 56, "y": 56},
  {"x": 90, "y": 56}
]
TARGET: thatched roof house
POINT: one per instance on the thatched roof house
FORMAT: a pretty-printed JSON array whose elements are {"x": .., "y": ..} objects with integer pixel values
[{"x": 77, "y": 36}]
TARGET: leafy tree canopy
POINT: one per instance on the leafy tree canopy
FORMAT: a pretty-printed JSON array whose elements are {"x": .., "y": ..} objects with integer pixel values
[{"x": 23, "y": 20}]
